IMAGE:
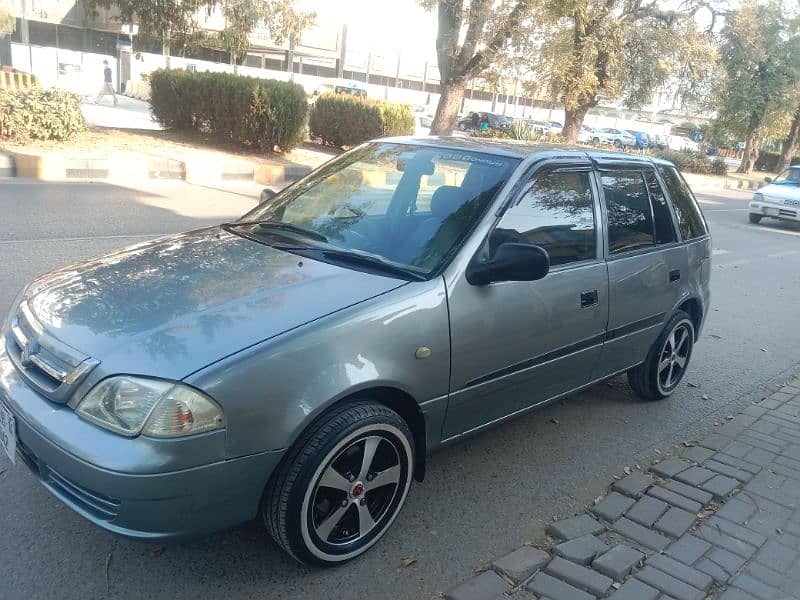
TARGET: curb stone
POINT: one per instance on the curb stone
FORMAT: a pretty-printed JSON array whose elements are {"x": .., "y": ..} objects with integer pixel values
[{"x": 721, "y": 521}]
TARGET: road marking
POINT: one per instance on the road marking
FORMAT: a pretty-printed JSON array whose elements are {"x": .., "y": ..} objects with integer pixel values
[
  {"x": 727, "y": 210},
  {"x": 763, "y": 228},
  {"x": 86, "y": 239},
  {"x": 735, "y": 263},
  {"x": 782, "y": 254},
  {"x": 718, "y": 252},
  {"x": 710, "y": 202}
]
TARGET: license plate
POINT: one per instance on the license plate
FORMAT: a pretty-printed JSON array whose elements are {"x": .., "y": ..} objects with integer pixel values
[{"x": 8, "y": 433}]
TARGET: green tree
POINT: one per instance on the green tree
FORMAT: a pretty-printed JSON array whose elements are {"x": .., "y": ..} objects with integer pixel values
[
  {"x": 472, "y": 35},
  {"x": 759, "y": 53},
  {"x": 243, "y": 16},
  {"x": 791, "y": 144},
  {"x": 7, "y": 22},
  {"x": 596, "y": 50}
]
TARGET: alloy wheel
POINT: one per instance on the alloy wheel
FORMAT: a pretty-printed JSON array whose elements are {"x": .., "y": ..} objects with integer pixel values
[{"x": 674, "y": 356}]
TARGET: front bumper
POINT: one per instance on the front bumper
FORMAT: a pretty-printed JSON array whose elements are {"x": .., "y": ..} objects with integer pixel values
[
  {"x": 777, "y": 211},
  {"x": 143, "y": 501}
]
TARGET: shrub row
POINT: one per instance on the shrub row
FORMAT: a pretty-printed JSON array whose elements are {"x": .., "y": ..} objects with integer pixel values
[
  {"x": 247, "y": 111},
  {"x": 40, "y": 114},
  {"x": 692, "y": 161},
  {"x": 342, "y": 120}
]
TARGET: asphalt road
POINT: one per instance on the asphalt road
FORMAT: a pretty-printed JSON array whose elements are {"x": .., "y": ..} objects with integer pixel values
[{"x": 480, "y": 499}]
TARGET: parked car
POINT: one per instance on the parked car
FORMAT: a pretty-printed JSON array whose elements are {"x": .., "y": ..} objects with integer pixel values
[
  {"x": 659, "y": 141},
  {"x": 555, "y": 128},
  {"x": 422, "y": 125},
  {"x": 472, "y": 122},
  {"x": 301, "y": 362},
  {"x": 641, "y": 139},
  {"x": 678, "y": 142},
  {"x": 779, "y": 199},
  {"x": 621, "y": 139},
  {"x": 588, "y": 135}
]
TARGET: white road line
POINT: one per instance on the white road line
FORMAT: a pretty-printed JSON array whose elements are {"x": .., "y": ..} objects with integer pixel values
[
  {"x": 710, "y": 202},
  {"x": 763, "y": 228},
  {"x": 718, "y": 252},
  {"x": 782, "y": 254},
  {"x": 86, "y": 239},
  {"x": 727, "y": 210},
  {"x": 735, "y": 263}
]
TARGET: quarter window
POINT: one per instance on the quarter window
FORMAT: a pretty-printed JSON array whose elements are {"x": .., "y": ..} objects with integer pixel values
[
  {"x": 690, "y": 219},
  {"x": 664, "y": 227},
  {"x": 556, "y": 213},
  {"x": 630, "y": 219}
]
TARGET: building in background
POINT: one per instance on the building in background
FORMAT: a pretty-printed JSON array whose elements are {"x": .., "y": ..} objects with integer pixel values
[{"x": 64, "y": 46}]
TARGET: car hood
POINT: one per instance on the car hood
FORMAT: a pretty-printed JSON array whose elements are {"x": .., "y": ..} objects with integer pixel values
[
  {"x": 174, "y": 305},
  {"x": 783, "y": 192}
]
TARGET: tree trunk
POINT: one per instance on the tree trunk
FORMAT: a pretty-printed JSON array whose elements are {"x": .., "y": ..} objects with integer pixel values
[
  {"x": 750, "y": 154},
  {"x": 790, "y": 144},
  {"x": 573, "y": 119},
  {"x": 447, "y": 110}
]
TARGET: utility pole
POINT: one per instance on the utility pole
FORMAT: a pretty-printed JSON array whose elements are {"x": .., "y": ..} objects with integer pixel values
[{"x": 342, "y": 53}]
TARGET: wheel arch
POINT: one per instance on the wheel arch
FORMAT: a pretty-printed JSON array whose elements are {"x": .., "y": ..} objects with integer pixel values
[{"x": 693, "y": 307}]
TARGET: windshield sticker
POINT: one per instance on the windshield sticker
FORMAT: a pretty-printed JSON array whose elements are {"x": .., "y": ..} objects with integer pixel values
[{"x": 470, "y": 158}]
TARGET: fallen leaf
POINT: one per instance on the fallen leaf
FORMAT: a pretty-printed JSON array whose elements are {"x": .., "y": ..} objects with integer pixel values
[
  {"x": 779, "y": 531},
  {"x": 157, "y": 551},
  {"x": 627, "y": 470},
  {"x": 763, "y": 349},
  {"x": 694, "y": 385},
  {"x": 730, "y": 417},
  {"x": 554, "y": 420},
  {"x": 706, "y": 397},
  {"x": 598, "y": 500},
  {"x": 616, "y": 585},
  {"x": 688, "y": 444},
  {"x": 407, "y": 562}
]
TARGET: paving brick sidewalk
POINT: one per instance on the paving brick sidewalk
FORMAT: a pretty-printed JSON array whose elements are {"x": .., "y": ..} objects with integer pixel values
[{"x": 721, "y": 520}]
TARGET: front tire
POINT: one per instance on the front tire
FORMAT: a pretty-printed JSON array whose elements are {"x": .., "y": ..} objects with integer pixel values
[
  {"x": 755, "y": 219},
  {"x": 659, "y": 375},
  {"x": 341, "y": 485}
]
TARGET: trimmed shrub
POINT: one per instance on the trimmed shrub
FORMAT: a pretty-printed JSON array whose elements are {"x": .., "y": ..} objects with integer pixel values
[
  {"x": 342, "y": 120},
  {"x": 718, "y": 166},
  {"x": 260, "y": 113},
  {"x": 40, "y": 114},
  {"x": 692, "y": 161}
]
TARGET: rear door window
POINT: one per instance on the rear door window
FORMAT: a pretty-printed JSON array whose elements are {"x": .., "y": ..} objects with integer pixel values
[
  {"x": 690, "y": 219},
  {"x": 664, "y": 226},
  {"x": 630, "y": 217}
]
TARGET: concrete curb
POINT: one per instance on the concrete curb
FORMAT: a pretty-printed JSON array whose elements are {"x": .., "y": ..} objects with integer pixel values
[
  {"x": 706, "y": 524},
  {"x": 201, "y": 171},
  {"x": 716, "y": 183}
]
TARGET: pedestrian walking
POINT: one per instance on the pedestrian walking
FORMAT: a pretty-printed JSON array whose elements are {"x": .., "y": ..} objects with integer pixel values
[{"x": 107, "y": 88}]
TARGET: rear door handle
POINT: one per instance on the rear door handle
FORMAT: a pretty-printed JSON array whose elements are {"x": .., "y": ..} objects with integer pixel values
[
  {"x": 674, "y": 275},
  {"x": 588, "y": 298}
]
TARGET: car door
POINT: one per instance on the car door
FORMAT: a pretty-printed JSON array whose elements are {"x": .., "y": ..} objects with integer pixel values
[
  {"x": 646, "y": 264},
  {"x": 515, "y": 344}
]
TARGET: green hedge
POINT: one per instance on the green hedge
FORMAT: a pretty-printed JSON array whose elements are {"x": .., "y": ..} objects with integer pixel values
[
  {"x": 43, "y": 115},
  {"x": 693, "y": 161},
  {"x": 343, "y": 120},
  {"x": 261, "y": 113}
]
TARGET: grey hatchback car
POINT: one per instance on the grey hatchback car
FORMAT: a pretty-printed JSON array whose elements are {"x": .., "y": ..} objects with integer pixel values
[{"x": 301, "y": 362}]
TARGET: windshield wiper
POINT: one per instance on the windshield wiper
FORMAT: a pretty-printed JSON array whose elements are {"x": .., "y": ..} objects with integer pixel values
[
  {"x": 309, "y": 233},
  {"x": 353, "y": 258}
]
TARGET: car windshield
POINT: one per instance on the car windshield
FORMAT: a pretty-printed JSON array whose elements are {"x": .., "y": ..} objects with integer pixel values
[
  {"x": 790, "y": 176},
  {"x": 401, "y": 206}
]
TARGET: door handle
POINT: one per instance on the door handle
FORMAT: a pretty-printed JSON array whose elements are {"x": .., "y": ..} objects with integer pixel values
[
  {"x": 588, "y": 298},
  {"x": 674, "y": 275}
]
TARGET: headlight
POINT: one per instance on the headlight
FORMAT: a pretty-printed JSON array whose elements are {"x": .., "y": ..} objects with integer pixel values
[
  {"x": 758, "y": 197},
  {"x": 135, "y": 405}
]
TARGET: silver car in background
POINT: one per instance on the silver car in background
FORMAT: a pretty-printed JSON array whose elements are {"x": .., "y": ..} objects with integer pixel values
[{"x": 301, "y": 362}]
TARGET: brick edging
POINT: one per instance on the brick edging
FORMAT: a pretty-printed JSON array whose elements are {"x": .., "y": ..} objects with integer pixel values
[{"x": 700, "y": 525}]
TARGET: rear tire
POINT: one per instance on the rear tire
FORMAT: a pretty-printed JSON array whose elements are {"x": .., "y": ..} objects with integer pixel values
[
  {"x": 755, "y": 219},
  {"x": 341, "y": 485},
  {"x": 659, "y": 375}
]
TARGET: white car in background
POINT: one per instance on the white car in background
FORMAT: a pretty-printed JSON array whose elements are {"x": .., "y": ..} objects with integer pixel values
[
  {"x": 779, "y": 199},
  {"x": 679, "y": 142},
  {"x": 588, "y": 135},
  {"x": 617, "y": 137},
  {"x": 422, "y": 125}
]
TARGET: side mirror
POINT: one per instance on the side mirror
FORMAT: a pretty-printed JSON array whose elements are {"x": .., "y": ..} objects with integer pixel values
[
  {"x": 511, "y": 262},
  {"x": 768, "y": 179},
  {"x": 266, "y": 194}
]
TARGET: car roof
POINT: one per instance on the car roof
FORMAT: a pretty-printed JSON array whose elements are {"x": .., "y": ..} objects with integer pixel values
[{"x": 523, "y": 149}]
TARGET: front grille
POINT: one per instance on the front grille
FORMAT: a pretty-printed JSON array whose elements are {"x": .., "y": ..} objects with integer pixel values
[
  {"x": 99, "y": 505},
  {"x": 787, "y": 213},
  {"x": 50, "y": 366}
]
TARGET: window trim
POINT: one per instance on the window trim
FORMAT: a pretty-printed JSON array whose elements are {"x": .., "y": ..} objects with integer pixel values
[
  {"x": 692, "y": 198},
  {"x": 578, "y": 164},
  {"x": 670, "y": 207}
]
